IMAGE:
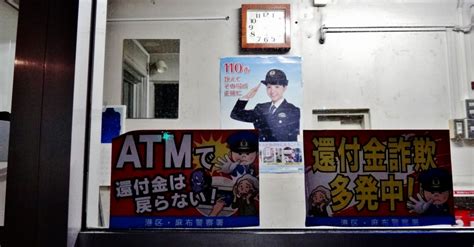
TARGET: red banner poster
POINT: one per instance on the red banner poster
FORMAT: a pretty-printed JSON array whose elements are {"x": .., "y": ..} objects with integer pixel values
[
  {"x": 185, "y": 179},
  {"x": 378, "y": 178}
]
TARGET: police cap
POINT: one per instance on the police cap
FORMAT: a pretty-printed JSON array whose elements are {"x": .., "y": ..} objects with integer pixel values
[
  {"x": 275, "y": 77},
  {"x": 243, "y": 141},
  {"x": 435, "y": 180}
]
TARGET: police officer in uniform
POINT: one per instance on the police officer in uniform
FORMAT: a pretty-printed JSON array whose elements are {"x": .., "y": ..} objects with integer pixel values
[
  {"x": 435, "y": 191},
  {"x": 276, "y": 120},
  {"x": 242, "y": 158},
  {"x": 240, "y": 162}
]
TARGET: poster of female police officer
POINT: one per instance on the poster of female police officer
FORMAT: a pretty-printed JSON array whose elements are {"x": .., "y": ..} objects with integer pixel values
[{"x": 265, "y": 93}]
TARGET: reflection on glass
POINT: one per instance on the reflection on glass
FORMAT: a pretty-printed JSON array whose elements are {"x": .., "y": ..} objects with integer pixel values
[
  {"x": 150, "y": 78},
  {"x": 8, "y": 26}
]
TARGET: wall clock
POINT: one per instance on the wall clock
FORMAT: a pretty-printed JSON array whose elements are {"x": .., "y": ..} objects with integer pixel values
[{"x": 265, "y": 26}]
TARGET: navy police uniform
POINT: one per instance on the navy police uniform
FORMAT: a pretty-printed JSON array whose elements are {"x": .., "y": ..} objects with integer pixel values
[
  {"x": 243, "y": 142},
  {"x": 281, "y": 125},
  {"x": 436, "y": 180}
]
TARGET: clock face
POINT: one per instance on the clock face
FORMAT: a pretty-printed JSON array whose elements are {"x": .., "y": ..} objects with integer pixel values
[{"x": 265, "y": 26}]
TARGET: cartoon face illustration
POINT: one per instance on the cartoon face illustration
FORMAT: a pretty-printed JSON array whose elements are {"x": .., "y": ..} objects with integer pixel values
[
  {"x": 244, "y": 158},
  {"x": 320, "y": 195},
  {"x": 199, "y": 180},
  {"x": 436, "y": 198},
  {"x": 244, "y": 187},
  {"x": 435, "y": 185},
  {"x": 318, "y": 198},
  {"x": 243, "y": 147}
]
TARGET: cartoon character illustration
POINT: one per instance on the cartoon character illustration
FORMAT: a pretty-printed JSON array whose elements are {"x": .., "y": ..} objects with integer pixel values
[
  {"x": 220, "y": 187},
  {"x": 319, "y": 202},
  {"x": 222, "y": 207},
  {"x": 200, "y": 180},
  {"x": 242, "y": 157},
  {"x": 246, "y": 195},
  {"x": 435, "y": 189},
  {"x": 241, "y": 161}
]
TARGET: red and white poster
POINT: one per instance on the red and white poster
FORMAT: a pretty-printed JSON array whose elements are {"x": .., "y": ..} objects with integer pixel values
[
  {"x": 185, "y": 179},
  {"x": 378, "y": 178}
]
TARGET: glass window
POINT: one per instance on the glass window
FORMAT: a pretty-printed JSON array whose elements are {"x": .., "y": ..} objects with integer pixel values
[
  {"x": 8, "y": 25},
  {"x": 166, "y": 99},
  {"x": 360, "y": 70},
  {"x": 148, "y": 67}
]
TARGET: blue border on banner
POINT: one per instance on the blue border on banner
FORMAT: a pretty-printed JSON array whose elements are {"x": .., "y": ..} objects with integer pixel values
[
  {"x": 118, "y": 222},
  {"x": 379, "y": 221}
]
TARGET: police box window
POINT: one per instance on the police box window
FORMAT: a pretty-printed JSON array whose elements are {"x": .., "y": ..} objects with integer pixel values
[{"x": 150, "y": 78}]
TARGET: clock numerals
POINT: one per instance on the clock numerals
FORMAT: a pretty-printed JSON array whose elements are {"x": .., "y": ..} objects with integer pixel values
[
  {"x": 267, "y": 14},
  {"x": 264, "y": 39},
  {"x": 265, "y": 26},
  {"x": 263, "y": 15}
]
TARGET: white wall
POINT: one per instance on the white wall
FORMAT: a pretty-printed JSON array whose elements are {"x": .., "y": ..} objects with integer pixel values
[
  {"x": 197, "y": 70},
  {"x": 463, "y": 153},
  {"x": 412, "y": 80}
]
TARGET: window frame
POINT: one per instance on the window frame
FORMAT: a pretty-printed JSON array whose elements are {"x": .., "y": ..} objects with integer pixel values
[{"x": 39, "y": 188}]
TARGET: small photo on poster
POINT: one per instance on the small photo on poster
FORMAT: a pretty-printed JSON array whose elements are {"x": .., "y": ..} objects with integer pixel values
[{"x": 281, "y": 157}]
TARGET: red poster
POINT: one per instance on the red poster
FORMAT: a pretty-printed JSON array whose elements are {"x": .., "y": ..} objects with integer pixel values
[
  {"x": 185, "y": 179},
  {"x": 378, "y": 177}
]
